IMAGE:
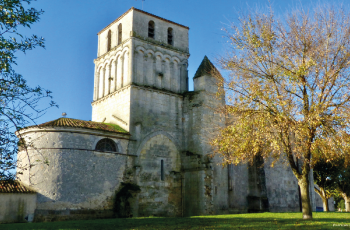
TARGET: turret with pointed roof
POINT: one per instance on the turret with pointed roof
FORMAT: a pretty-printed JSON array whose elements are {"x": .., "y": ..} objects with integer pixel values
[
  {"x": 206, "y": 77},
  {"x": 207, "y": 68}
]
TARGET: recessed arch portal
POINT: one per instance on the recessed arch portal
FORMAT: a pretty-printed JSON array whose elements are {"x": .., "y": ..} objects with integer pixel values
[{"x": 160, "y": 166}]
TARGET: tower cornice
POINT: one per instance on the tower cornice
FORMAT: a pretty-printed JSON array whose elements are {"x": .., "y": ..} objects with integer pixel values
[{"x": 149, "y": 88}]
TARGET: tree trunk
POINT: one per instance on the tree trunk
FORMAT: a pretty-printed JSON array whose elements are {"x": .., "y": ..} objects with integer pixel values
[
  {"x": 325, "y": 204},
  {"x": 305, "y": 197},
  {"x": 322, "y": 193},
  {"x": 347, "y": 202}
]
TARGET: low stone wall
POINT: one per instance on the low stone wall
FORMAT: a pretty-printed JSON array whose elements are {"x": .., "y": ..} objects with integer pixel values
[{"x": 17, "y": 207}]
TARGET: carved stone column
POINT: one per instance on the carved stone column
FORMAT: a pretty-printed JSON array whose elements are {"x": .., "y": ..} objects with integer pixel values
[
  {"x": 154, "y": 71},
  {"x": 159, "y": 76},
  {"x": 112, "y": 78},
  {"x": 184, "y": 77},
  {"x": 119, "y": 72},
  {"x": 144, "y": 74},
  {"x": 177, "y": 77},
  {"x": 126, "y": 69},
  {"x": 122, "y": 71},
  {"x": 102, "y": 83},
  {"x": 96, "y": 83},
  {"x": 173, "y": 82},
  {"x": 164, "y": 80},
  {"x": 150, "y": 70},
  {"x": 115, "y": 74},
  {"x": 136, "y": 71},
  {"x": 140, "y": 69},
  {"x": 131, "y": 62},
  {"x": 107, "y": 79}
]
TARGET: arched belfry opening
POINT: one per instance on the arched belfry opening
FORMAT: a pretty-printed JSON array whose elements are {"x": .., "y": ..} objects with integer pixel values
[
  {"x": 170, "y": 36},
  {"x": 151, "y": 29},
  {"x": 120, "y": 32},
  {"x": 109, "y": 40}
]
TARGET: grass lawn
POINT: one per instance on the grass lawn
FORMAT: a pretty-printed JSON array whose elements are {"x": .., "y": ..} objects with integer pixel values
[{"x": 238, "y": 221}]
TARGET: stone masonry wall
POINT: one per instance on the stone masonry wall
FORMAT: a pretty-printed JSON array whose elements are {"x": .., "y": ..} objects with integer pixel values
[
  {"x": 127, "y": 26},
  {"x": 137, "y": 22},
  {"x": 282, "y": 188},
  {"x": 201, "y": 122},
  {"x": 238, "y": 188},
  {"x": 156, "y": 129},
  {"x": 69, "y": 174},
  {"x": 159, "y": 67},
  {"x": 114, "y": 108},
  {"x": 180, "y": 34},
  {"x": 152, "y": 111},
  {"x": 159, "y": 177},
  {"x": 17, "y": 207}
]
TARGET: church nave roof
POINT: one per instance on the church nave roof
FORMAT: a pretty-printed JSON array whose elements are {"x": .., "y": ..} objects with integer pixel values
[{"x": 76, "y": 123}]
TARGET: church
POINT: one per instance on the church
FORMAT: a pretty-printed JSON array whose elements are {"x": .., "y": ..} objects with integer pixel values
[{"x": 146, "y": 151}]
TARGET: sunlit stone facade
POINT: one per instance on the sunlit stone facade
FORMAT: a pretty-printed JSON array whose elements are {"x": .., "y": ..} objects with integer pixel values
[{"x": 141, "y": 86}]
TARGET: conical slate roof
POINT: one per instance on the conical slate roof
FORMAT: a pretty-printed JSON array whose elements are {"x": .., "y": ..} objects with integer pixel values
[
  {"x": 206, "y": 68},
  {"x": 75, "y": 123}
]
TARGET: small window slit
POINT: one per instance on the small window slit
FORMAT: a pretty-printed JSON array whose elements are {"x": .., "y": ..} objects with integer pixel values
[{"x": 162, "y": 170}]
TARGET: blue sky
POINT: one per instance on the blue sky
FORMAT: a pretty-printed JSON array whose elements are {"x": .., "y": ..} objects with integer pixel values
[{"x": 70, "y": 28}]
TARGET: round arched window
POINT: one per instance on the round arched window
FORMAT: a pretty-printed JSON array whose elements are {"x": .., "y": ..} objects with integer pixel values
[
  {"x": 106, "y": 145},
  {"x": 151, "y": 29}
]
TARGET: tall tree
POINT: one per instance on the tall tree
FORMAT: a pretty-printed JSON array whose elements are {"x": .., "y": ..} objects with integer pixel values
[
  {"x": 18, "y": 102},
  {"x": 325, "y": 176},
  {"x": 288, "y": 89},
  {"x": 333, "y": 179},
  {"x": 343, "y": 185}
]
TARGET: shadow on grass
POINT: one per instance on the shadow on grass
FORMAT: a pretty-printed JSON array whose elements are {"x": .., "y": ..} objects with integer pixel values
[{"x": 239, "y": 221}]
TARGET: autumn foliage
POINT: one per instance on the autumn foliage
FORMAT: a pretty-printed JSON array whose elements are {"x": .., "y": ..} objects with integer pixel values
[{"x": 288, "y": 90}]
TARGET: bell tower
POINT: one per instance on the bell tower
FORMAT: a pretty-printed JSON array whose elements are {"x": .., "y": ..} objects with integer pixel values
[
  {"x": 137, "y": 51},
  {"x": 140, "y": 80}
]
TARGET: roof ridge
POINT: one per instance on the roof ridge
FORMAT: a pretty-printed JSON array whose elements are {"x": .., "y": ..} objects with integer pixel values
[
  {"x": 14, "y": 186},
  {"x": 77, "y": 123}
]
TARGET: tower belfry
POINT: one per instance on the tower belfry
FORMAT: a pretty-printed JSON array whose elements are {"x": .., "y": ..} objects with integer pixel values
[{"x": 137, "y": 51}]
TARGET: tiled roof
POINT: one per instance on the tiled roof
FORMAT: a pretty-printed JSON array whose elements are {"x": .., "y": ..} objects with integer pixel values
[
  {"x": 206, "y": 68},
  {"x": 14, "y": 187},
  {"x": 133, "y": 8},
  {"x": 75, "y": 123}
]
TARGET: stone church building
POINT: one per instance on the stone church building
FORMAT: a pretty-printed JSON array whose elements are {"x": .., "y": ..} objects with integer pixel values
[{"x": 146, "y": 151}]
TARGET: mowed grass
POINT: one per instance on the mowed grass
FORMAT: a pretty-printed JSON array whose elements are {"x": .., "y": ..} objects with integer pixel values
[{"x": 235, "y": 221}]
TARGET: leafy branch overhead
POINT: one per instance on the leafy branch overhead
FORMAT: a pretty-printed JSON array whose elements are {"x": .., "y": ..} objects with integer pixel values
[
  {"x": 12, "y": 15},
  {"x": 19, "y": 103}
]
